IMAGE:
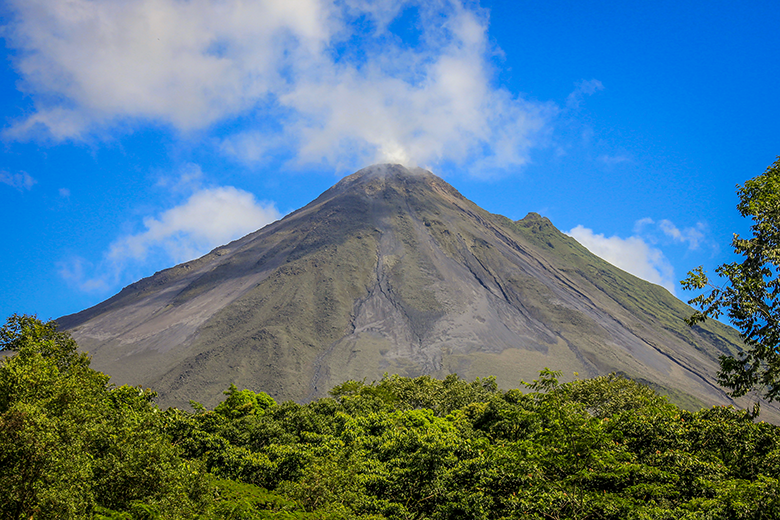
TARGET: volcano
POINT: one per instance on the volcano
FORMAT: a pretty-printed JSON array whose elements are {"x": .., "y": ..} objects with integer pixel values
[{"x": 393, "y": 271}]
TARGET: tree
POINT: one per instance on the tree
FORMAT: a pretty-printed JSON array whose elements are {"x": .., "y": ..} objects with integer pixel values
[
  {"x": 242, "y": 403},
  {"x": 750, "y": 296},
  {"x": 42, "y": 391},
  {"x": 71, "y": 442}
]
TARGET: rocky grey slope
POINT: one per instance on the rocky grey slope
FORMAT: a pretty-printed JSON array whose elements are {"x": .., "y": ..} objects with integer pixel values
[{"x": 392, "y": 270}]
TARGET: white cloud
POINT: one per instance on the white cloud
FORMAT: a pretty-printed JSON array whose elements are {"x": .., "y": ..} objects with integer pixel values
[
  {"x": 187, "y": 64},
  {"x": 631, "y": 254},
  {"x": 335, "y": 88},
  {"x": 692, "y": 236},
  {"x": 209, "y": 218},
  {"x": 21, "y": 181},
  {"x": 442, "y": 107},
  {"x": 642, "y": 223}
]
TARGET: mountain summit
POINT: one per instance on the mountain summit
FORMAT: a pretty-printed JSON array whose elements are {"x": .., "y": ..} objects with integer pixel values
[{"x": 393, "y": 271}]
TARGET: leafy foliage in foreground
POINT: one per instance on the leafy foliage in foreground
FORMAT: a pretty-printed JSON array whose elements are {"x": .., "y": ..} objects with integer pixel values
[
  {"x": 750, "y": 294},
  {"x": 70, "y": 442},
  {"x": 73, "y": 446}
]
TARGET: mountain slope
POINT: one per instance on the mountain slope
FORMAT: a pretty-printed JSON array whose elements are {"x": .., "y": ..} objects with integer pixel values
[{"x": 393, "y": 270}]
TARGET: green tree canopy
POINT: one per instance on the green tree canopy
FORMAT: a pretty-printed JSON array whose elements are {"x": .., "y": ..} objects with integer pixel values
[
  {"x": 244, "y": 402},
  {"x": 74, "y": 446},
  {"x": 750, "y": 291},
  {"x": 71, "y": 443}
]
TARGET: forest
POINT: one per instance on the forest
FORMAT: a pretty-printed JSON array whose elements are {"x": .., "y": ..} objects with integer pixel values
[{"x": 72, "y": 445}]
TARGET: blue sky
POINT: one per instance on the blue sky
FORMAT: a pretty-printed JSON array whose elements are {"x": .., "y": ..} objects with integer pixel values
[{"x": 136, "y": 134}]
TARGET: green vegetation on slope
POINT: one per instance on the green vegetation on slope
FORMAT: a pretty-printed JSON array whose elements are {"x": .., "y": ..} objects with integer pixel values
[
  {"x": 652, "y": 302},
  {"x": 73, "y": 446}
]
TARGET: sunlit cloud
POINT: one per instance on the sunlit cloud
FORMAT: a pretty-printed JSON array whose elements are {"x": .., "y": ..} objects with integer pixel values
[
  {"x": 631, "y": 254},
  {"x": 328, "y": 80},
  {"x": 209, "y": 218},
  {"x": 640, "y": 253},
  {"x": 693, "y": 236},
  {"x": 92, "y": 63}
]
